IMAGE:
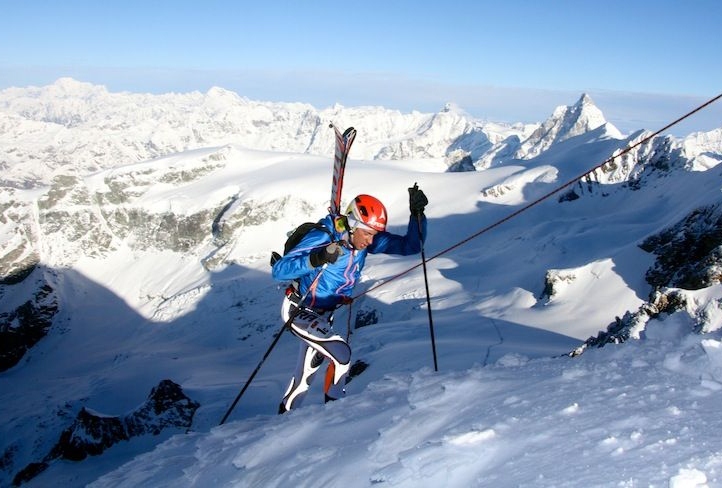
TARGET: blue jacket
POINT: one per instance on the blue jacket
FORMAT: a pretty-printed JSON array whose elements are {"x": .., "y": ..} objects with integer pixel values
[{"x": 338, "y": 279}]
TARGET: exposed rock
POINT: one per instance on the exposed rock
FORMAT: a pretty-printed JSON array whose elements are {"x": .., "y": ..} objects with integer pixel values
[
  {"x": 569, "y": 196},
  {"x": 689, "y": 257},
  {"x": 553, "y": 280},
  {"x": 358, "y": 367},
  {"x": 91, "y": 433},
  {"x": 23, "y": 327},
  {"x": 496, "y": 191},
  {"x": 66, "y": 213},
  {"x": 366, "y": 317},
  {"x": 18, "y": 251},
  {"x": 29, "y": 472},
  {"x": 248, "y": 213},
  {"x": 7, "y": 457},
  {"x": 166, "y": 406},
  {"x": 631, "y": 325},
  {"x": 500, "y": 152},
  {"x": 463, "y": 164},
  {"x": 657, "y": 157},
  {"x": 689, "y": 254},
  {"x": 165, "y": 231}
]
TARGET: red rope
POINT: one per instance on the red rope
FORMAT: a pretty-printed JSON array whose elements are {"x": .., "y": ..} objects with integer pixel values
[{"x": 538, "y": 200}]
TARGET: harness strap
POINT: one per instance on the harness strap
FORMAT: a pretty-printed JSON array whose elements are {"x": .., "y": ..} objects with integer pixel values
[{"x": 295, "y": 298}]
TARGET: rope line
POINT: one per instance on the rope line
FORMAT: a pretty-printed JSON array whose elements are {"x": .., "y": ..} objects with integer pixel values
[{"x": 540, "y": 199}]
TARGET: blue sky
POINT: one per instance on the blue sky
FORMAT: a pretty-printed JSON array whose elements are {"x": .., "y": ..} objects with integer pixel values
[{"x": 644, "y": 63}]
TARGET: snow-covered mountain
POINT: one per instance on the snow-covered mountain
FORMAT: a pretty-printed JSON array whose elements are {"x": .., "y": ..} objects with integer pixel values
[
  {"x": 82, "y": 128},
  {"x": 135, "y": 232},
  {"x": 565, "y": 123}
]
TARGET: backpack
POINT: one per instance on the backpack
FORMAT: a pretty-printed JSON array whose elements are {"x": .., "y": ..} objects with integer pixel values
[{"x": 295, "y": 237}]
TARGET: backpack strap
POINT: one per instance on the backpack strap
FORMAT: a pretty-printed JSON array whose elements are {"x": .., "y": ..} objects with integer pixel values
[{"x": 297, "y": 235}]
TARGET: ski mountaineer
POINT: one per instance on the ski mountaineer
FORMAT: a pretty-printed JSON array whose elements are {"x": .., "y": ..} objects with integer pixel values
[{"x": 326, "y": 265}]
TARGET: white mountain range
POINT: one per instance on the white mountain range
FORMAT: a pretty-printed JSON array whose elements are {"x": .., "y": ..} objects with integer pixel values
[{"x": 135, "y": 293}]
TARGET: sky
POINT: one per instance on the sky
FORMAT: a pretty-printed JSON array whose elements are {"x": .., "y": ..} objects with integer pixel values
[{"x": 643, "y": 62}]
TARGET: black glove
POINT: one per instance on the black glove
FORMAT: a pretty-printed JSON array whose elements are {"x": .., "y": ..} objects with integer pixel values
[
  {"x": 328, "y": 254},
  {"x": 417, "y": 200}
]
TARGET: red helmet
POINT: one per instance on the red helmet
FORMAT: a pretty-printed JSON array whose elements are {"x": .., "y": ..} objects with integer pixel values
[{"x": 366, "y": 212}]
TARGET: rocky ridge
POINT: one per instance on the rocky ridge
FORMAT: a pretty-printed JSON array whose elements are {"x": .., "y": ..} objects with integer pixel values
[{"x": 91, "y": 432}]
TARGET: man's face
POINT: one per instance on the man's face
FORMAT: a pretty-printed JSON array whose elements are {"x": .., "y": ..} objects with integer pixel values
[{"x": 362, "y": 238}]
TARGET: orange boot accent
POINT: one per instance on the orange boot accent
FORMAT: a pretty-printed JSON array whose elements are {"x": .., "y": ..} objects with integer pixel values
[{"x": 330, "y": 370}]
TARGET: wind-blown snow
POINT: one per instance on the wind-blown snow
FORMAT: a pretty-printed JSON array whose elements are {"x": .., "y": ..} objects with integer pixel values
[{"x": 640, "y": 415}]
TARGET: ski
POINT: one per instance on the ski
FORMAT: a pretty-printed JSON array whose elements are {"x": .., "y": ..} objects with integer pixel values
[
  {"x": 334, "y": 348},
  {"x": 343, "y": 146}
]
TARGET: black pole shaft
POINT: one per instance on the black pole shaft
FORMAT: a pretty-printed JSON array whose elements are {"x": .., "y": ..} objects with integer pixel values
[
  {"x": 428, "y": 295},
  {"x": 286, "y": 325},
  {"x": 255, "y": 371}
]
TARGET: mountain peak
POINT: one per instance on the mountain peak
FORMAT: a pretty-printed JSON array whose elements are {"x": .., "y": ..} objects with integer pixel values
[
  {"x": 567, "y": 122},
  {"x": 584, "y": 114},
  {"x": 585, "y": 99},
  {"x": 451, "y": 107},
  {"x": 587, "y": 112},
  {"x": 72, "y": 87}
]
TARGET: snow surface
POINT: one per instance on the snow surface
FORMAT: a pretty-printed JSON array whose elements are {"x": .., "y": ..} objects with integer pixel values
[
  {"x": 507, "y": 406},
  {"x": 645, "y": 414}
]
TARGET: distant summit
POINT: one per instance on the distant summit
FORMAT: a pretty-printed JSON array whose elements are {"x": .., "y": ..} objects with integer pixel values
[{"x": 566, "y": 122}]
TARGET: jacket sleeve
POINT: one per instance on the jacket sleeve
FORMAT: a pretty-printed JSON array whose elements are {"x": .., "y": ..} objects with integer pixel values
[
  {"x": 296, "y": 263},
  {"x": 388, "y": 243}
]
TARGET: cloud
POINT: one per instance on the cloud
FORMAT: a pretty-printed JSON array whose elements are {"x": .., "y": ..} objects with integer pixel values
[{"x": 628, "y": 111}]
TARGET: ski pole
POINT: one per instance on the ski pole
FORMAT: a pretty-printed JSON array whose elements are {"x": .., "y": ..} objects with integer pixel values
[
  {"x": 255, "y": 371},
  {"x": 428, "y": 295},
  {"x": 286, "y": 325}
]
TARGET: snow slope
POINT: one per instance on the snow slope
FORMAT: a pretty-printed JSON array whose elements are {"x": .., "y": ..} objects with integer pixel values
[
  {"x": 507, "y": 407},
  {"x": 645, "y": 414}
]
